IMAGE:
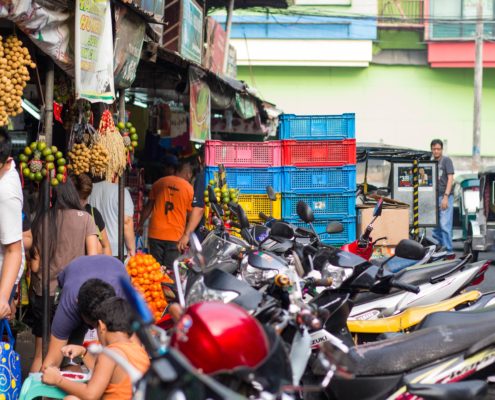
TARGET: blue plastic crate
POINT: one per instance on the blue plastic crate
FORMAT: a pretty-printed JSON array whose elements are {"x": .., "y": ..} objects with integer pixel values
[
  {"x": 324, "y": 205},
  {"x": 319, "y": 180},
  {"x": 348, "y": 235},
  {"x": 317, "y": 127},
  {"x": 250, "y": 180}
]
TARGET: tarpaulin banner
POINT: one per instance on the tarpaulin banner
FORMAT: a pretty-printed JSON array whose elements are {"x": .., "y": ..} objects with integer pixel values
[
  {"x": 130, "y": 30},
  {"x": 200, "y": 106},
  {"x": 94, "y": 51},
  {"x": 49, "y": 30},
  {"x": 215, "y": 46}
]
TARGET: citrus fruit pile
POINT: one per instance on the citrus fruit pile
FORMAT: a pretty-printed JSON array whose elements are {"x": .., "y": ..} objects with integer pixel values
[
  {"x": 147, "y": 278},
  {"x": 36, "y": 169}
]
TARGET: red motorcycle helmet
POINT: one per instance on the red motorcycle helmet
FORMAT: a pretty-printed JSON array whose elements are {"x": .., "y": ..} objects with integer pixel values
[{"x": 220, "y": 337}]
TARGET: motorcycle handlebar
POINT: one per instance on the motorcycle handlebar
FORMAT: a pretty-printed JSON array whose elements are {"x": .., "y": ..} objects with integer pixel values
[
  {"x": 404, "y": 286},
  {"x": 265, "y": 218},
  {"x": 310, "y": 250},
  {"x": 306, "y": 318}
]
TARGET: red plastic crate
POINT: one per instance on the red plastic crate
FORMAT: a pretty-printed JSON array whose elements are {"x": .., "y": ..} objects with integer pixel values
[
  {"x": 324, "y": 153},
  {"x": 243, "y": 154}
]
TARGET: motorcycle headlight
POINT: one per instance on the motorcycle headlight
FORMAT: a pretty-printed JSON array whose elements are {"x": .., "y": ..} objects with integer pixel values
[
  {"x": 337, "y": 274},
  {"x": 256, "y": 276},
  {"x": 200, "y": 292}
]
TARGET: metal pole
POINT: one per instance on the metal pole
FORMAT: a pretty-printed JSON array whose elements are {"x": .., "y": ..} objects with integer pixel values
[
  {"x": 416, "y": 200},
  {"x": 45, "y": 248},
  {"x": 228, "y": 29},
  {"x": 478, "y": 89},
  {"x": 121, "y": 182}
]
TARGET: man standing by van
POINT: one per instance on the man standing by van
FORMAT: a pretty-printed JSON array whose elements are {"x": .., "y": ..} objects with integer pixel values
[{"x": 443, "y": 233}]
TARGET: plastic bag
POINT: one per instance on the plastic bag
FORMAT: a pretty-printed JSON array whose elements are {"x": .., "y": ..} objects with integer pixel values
[{"x": 10, "y": 366}]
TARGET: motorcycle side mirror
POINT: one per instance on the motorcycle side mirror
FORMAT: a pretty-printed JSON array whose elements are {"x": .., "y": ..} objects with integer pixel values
[
  {"x": 242, "y": 217},
  {"x": 335, "y": 227},
  {"x": 271, "y": 193},
  {"x": 305, "y": 212},
  {"x": 281, "y": 231},
  {"x": 212, "y": 195},
  {"x": 217, "y": 209},
  {"x": 378, "y": 209},
  {"x": 410, "y": 249}
]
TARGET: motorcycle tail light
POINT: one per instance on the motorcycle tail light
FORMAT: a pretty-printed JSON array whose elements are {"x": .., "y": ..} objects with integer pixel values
[
  {"x": 450, "y": 256},
  {"x": 481, "y": 274}
]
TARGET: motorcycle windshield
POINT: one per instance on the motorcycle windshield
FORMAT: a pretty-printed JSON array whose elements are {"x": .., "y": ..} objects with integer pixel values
[{"x": 216, "y": 249}]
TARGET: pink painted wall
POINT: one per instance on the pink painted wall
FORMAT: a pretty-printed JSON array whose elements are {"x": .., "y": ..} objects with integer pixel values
[{"x": 459, "y": 54}]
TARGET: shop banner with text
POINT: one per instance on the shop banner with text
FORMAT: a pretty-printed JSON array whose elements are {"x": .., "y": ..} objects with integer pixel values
[
  {"x": 129, "y": 36},
  {"x": 94, "y": 51},
  {"x": 200, "y": 106}
]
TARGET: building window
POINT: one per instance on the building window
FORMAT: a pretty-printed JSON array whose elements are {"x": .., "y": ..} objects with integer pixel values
[{"x": 456, "y": 19}]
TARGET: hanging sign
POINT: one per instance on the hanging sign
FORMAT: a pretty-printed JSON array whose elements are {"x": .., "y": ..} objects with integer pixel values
[
  {"x": 215, "y": 46},
  {"x": 192, "y": 31},
  {"x": 94, "y": 51},
  {"x": 200, "y": 106},
  {"x": 130, "y": 30}
]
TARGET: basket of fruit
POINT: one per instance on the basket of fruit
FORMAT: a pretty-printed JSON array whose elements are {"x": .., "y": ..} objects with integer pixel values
[{"x": 147, "y": 276}]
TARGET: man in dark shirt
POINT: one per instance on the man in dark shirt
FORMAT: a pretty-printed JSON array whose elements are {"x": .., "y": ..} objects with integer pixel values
[
  {"x": 105, "y": 272},
  {"x": 197, "y": 217},
  {"x": 443, "y": 233}
]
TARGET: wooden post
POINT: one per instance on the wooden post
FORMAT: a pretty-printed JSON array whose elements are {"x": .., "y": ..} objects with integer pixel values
[
  {"x": 416, "y": 200},
  {"x": 478, "y": 89},
  {"x": 45, "y": 252},
  {"x": 121, "y": 182}
]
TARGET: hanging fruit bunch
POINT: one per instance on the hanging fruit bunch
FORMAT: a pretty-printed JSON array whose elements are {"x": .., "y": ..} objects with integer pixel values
[
  {"x": 79, "y": 157},
  {"x": 129, "y": 135},
  {"x": 44, "y": 159},
  {"x": 61, "y": 92},
  {"x": 224, "y": 196},
  {"x": 100, "y": 158},
  {"x": 110, "y": 140},
  {"x": 146, "y": 275},
  {"x": 14, "y": 74},
  {"x": 70, "y": 116}
]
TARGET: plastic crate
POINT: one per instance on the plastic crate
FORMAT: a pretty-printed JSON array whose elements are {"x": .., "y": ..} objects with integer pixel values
[
  {"x": 319, "y": 180},
  {"x": 318, "y": 153},
  {"x": 324, "y": 205},
  {"x": 253, "y": 204},
  {"x": 243, "y": 154},
  {"x": 250, "y": 180},
  {"x": 317, "y": 127},
  {"x": 348, "y": 235}
]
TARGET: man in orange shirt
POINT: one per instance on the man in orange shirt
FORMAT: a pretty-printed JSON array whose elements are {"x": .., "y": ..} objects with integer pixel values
[{"x": 169, "y": 204}]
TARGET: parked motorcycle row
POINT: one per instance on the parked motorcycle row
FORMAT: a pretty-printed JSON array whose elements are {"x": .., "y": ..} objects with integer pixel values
[{"x": 271, "y": 312}]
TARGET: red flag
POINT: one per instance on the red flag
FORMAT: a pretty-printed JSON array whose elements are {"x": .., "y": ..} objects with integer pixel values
[{"x": 57, "y": 111}]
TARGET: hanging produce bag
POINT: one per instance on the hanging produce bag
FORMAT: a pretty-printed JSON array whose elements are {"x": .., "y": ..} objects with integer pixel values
[{"x": 10, "y": 366}]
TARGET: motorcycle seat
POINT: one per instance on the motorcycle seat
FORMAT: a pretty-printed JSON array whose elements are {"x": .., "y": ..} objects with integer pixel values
[
  {"x": 461, "y": 317},
  {"x": 395, "y": 264},
  {"x": 421, "y": 274},
  {"x": 415, "y": 275},
  {"x": 402, "y": 354}
]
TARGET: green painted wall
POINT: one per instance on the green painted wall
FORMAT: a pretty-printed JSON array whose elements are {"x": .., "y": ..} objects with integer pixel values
[
  {"x": 403, "y": 105},
  {"x": 398, "y": 40}
]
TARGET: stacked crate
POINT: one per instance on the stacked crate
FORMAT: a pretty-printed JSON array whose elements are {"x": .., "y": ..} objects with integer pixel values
[
  {"x": 319, "y": 167},
  {"x": 250, "y": 167}
]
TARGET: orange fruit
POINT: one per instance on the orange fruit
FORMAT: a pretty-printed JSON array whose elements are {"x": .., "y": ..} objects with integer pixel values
[
  {"x": 146, "y": 281},
  {"x": 141, "y": 270},
  {"x": 134, "y": 272},
  {"x": 146, "y": 287},
  {"x": 141, "y": 281},
  {"x": 148, "y": 299},
  {"x": 146, "y": 275},
  {"x": 147, "y": 293},
  {"x": 149, "y": 268},
  {"x": 155, "y": 295},
  {"x": 132, "y": 263}
]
